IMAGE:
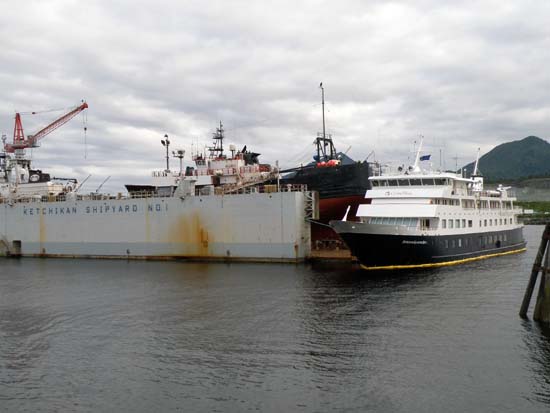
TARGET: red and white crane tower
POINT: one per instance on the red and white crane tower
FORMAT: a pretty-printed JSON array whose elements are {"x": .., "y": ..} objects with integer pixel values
[{"x": 31, "y": 141}]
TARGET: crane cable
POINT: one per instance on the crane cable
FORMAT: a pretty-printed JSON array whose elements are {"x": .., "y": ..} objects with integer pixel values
[
  {"x": 39, "y": 112},
  {"x": 85, "y": 126}
]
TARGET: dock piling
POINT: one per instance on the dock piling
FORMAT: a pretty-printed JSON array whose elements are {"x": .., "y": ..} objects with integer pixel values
[
  {"x": 542, "y": 307},
  {"x": 543, "y": 299}
]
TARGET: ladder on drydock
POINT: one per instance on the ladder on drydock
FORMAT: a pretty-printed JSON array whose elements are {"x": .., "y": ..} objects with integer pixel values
[{"x": 312, "y": 205}]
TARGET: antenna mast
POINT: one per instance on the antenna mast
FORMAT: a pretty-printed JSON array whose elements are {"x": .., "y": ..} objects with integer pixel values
[
  {"x": 166, "y": 143},
  {"x": 476, "y": 172},
  {"x": 179, "y": 153},
  {"x": 322, "y": 141},
  {"x": 216, "y": 151},
  {"x": 323, "y": 105},
  {"x": 416, "y": 168}
]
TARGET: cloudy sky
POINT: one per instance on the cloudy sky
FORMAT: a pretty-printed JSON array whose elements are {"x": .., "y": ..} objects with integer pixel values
[{"x": 464, "y": 74}]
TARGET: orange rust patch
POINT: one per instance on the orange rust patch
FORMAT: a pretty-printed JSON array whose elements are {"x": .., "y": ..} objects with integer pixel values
[{"x": 193, "y": 238}]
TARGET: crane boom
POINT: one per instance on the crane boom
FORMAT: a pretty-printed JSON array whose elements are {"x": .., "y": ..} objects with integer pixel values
[{"x": 19, "y": 141}]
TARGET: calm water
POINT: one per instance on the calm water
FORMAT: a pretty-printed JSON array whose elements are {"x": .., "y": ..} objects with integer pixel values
[{"x": 85, "y": 335}]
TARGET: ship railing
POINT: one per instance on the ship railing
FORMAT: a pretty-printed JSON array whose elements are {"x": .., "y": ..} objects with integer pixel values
[
  {"x": 410, "y": 229},
  {"x": 31, "y": 199},
  {"x": 294, "y": 188},
  {"x": 509, "y": 193},
  {"x": 141, "y": 194},
  {"x": 58, "y": 198},
  {"x": 81, "y": 197},
  {"x": 267, "y": 189},
  {"x": 130, "y": 195},
  {"x": 95, "y": 197},
  {"x": 252, "y": 189},
  {"x": 390, "y": 170},
  {"x": 149, "y": 194}
]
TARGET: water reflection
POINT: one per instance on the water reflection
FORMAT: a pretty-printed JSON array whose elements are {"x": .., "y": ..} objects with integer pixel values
[
  {"x": 537, "y": 340},
  {"x": 23, "y": 337},
  {"x": 346, "y": 314},
  {"x": 165, "y": 336},
  {"x": 24, "y": 350},
  {"x": 337, "y": 273}
]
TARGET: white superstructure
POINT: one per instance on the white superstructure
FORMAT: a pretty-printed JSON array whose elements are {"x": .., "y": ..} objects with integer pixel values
[{"x": 437, "y": 203}]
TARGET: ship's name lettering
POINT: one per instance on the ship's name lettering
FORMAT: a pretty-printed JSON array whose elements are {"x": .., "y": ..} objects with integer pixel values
[
  {"x": 103, "y": 209},
  {"x": 398, "y": 193},
  {"x": 100, "y": 209},
  {"x": 50, "y": 211},
  {"x": 124, "y": 209},
  {"x": 414, "y": 242}
]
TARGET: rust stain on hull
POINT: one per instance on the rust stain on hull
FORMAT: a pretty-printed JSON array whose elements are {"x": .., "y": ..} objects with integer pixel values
[{"x": 191, "y": 235}]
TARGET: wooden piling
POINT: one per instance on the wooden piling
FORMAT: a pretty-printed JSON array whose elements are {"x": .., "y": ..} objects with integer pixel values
[
  {"x": 542, "y": 307},
  {"x": 534, "y": 273}
]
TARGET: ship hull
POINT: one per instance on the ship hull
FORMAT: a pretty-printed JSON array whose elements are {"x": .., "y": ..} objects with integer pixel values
[
  {"x": 338, "y": 187},
  {"x": 255, "y": 227},
  {"x": 333, "y": 182},
  {"x": 400, "y": 251},
  {"x": 332, "y": 208}
]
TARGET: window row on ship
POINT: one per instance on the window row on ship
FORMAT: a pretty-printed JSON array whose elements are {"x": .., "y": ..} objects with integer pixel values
[
  {"x": 459, "y": 187},
  {"x": 482, "y": 241},
  {"x": 482, "y": 223},
  {"x": 426, "y": 223},
  {"x": 471, "y": 203},
  {"x": 410, "y": 182}
]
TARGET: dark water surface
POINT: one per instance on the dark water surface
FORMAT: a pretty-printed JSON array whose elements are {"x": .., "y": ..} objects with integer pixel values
[{"x": 86, "y": 335}]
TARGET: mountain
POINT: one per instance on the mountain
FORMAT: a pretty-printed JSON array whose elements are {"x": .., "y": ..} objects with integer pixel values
[{"x": 526, "y": 158}]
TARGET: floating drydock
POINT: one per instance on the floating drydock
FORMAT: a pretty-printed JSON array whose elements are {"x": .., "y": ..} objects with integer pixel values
[
  {"x": 220, "y": 211},
  {"x": 252, "y": 225}
]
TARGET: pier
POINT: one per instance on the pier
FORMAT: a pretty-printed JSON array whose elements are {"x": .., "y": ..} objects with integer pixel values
[{"x": 541, "y": 266}]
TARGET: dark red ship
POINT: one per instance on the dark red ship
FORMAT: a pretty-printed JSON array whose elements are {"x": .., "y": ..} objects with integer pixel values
[{"x": 340, "y": 181}]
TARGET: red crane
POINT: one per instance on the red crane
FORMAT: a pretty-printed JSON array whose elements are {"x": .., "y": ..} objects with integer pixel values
[{"x": 19, "y": 140}]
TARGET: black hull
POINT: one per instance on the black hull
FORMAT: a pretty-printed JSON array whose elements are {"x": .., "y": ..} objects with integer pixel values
[
  {"x": 333, "y": 181},
  {"x": 382, "y": 251},
  {"x": 338, "y": 187}
]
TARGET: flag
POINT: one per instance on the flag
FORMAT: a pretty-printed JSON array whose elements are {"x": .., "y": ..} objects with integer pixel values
[{"x": 425, "y": 158}]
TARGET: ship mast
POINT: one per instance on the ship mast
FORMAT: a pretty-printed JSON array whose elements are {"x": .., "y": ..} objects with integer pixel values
[
  {"x": 476, "y": 171},
  {"x": 166, "y": 143},
  {"x": 416, "y": 167},
  {"x": 323, "y": 105},
  {"x": 323, "y": 141},
  {"x": 216, "y": 151},
  {"x": 476, "y": 176}
]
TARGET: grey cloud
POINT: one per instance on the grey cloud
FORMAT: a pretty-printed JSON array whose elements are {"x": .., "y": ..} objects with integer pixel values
[{"x": 464, "y": 74}]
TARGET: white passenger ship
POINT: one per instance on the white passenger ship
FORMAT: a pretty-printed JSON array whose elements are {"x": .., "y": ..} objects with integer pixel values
[{"x": 423, "y": 218}]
